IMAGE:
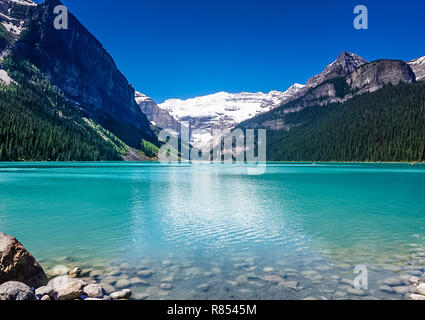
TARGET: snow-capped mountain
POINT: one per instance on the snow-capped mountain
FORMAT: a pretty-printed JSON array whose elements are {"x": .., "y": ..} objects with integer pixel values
[
  {"x": 13, "y": 15},
  {"x": 223, "y": 110},
  {"x": 418, "y": 67}
]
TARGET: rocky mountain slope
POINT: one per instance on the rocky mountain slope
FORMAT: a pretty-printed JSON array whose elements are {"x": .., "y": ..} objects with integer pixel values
[
  {"x": 368, "y": 77},
  {"x": 418, "y": 67},
  {"x": 157, "y": 116},
  {"x": 223, "y": 110},
  {"x": 76, "y": 62}
]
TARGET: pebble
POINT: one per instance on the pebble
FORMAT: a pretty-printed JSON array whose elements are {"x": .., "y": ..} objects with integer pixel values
[
  {"x": 108, "y": 288},
  {"x": 268, "y": 269},
  {"x": 417, "y": 297},
  {"x": 273, "y": 279},
  {"x": 45, "y": 291},
  {"x": 75, "y": 272},
  {"x": 46, "y": 298},
  {"x": 135, "y": 281},
  {"x": 168, "y": 279},
  {"x": 216, "y": 270},
  {"x": 145, "y": 273},
  {"x": 289, "y": 284}
]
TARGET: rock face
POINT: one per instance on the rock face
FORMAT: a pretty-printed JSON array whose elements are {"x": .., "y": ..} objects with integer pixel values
[
  {"x": 17, "y": 264},
  {"x": 373, "y": 76},
  {"x": 76, "y": 62},
  {"x": 345, "y": 64},
  {"x": 418, "y": 67},
  {"x": 14, "y": 290},
  {"x": 157, "y": 116},
  {"x": 13, "y": 18}
]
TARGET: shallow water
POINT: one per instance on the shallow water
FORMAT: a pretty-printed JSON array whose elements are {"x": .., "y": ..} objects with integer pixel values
[{"x": 219, "y": 226}]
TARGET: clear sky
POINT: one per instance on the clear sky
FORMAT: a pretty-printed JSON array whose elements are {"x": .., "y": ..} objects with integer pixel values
[{"x": 186, "y": 48}]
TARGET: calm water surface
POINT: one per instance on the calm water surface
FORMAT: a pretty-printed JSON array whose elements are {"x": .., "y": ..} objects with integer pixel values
[{"x": 218, "y": 227}]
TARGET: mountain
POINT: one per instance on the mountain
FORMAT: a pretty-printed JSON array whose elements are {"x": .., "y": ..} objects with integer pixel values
[
  {"x": 368, "y": 77},
  {"x": 76, "y": 62},
  {"x": 418, "y": 67},
  {"x": 157, "y": 116},
  {"x": 387, "y": 125},
  {"x": 223, "y": 110},
  {"x": 345, "y": 64}
]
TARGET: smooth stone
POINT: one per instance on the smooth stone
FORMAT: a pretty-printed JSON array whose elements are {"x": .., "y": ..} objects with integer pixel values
[
  {"x": 166, "y": 286},
  {"x": 421, "y": 289},
  {"x": 72, "y": 291},
  {"x": 95, "y": 274},
  {"x": 417, "y": 297},
  {"x": 392, "y": 282},
  {"x": 356, "y": 292},
  {"x": 141, "y": 296},
  {"x": 401, "y": 290},
  {"x": 45, "y": 291},
  {"x": 194, "y": 272},
  {"x": 107, "y": 287},
  {"x": 94, "y": 291},
  {"x": 63, "y": 282},
  {"x": 340, "y": 294},
  {"x": 135, "y": 281},
  {"x": 46, "y": 298},
  {"x": 145, "y": 273},
  {"x": 203, "y": 287},
  {"x": 14, "y": 290},
  {"x": 386, "y": 288},
  {"x": 241, "y": 279},
  {"x": 122, "y": 283},
  {"x": 124, "y": 266},
  {"x": 268, "y": 269},
  {"x": 123, "y": 294},
  {"x": 310, "y": 299},
  {"x": 323, "y": 268},
  {"x": 208, "y": 274},
  {"x": 414, "y": 272},
  {"x": 167, "y": 263},
  {"x": 252, "y": 276},
  {"x": 168, "y": 279},
  {"x": 59, "y": 270}
]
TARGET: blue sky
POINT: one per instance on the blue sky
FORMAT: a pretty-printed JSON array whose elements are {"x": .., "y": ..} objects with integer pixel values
[{"x": 186, "y": 48}]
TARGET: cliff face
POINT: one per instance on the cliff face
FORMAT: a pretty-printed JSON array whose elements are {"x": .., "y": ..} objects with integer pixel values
[
  {"x": 158, "y": 117},
  {"x": 76, "y": 62},
  {"x": 418, "y": 67},
  {"x": 373, "y": 76}
]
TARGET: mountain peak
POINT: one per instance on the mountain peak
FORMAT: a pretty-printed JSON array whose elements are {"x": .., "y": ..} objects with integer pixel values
[
  {"x": 345, "y": 64},
  {"x": 418, "y": 67}
]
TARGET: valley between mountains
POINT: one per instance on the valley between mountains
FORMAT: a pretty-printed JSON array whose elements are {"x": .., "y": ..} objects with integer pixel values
[{"x": 62, "y": 98}]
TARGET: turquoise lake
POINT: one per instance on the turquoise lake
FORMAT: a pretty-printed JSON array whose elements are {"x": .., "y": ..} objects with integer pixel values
[{"x": 215, "y": 232}]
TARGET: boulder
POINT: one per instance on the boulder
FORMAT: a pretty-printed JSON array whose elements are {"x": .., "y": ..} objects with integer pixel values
[
  {"x": 123, "y": 294},
  {"x": 421, "y": 288},
  {"x": 13, "y": 290},
  {"x": 17, "y": 264}
]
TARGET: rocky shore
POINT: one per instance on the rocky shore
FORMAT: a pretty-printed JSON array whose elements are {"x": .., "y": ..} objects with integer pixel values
[{"x": 22, "y": 278}]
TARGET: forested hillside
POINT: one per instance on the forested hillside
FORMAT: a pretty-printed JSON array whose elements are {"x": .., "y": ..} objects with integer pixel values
[
  {"x": 37, "y": 123},
  {"x": 387, "y": 125}
]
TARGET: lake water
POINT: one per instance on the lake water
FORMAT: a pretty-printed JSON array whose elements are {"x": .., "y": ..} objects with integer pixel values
[{"x": 215, "y": 232}]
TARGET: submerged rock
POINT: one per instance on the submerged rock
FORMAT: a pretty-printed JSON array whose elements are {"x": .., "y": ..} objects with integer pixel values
[
  {"x": 17, "y": 264},
  {"x": 14, "y": 290},
  {"x": 67, "y": 288},
  {"x": 123, "y": 294}
]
